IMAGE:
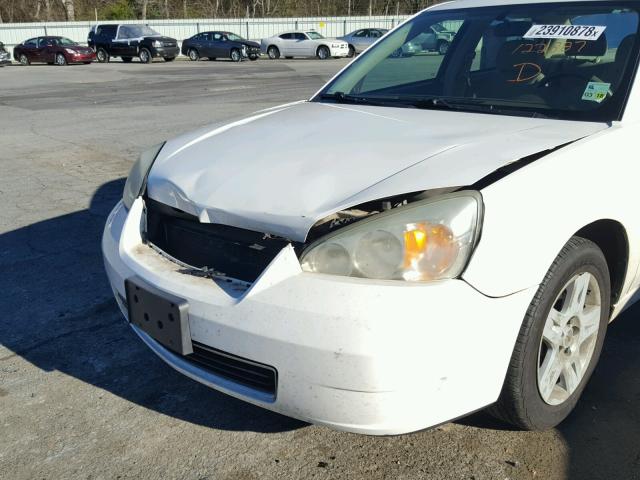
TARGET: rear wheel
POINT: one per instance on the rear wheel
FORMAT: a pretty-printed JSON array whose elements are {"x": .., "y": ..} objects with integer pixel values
[
  {"x": 144, "y": 55},
  {"x": 61, "y": 60},
  {"x": 23, "y": 59},
  {"x": 352, "y": 51},
  {"x": 560, "y": 340},
  {"x": 323, "y": 52},
  {"x": 127, "y": 59},
  {"x": 235, "y": 55},
  {"x": 253, "y": 58},
  {"x": 102, "y": 55},
  {"x": 193, "y": 55},
  {"x": 273, "y": 52}
]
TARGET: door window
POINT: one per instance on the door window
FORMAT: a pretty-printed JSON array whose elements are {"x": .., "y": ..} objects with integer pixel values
[{"x": 32, "y": 42}]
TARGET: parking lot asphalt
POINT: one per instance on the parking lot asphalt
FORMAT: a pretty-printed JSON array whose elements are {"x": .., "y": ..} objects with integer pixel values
[{"x": 82, "y": 397}]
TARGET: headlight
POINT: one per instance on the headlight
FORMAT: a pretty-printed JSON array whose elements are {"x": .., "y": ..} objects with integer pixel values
[
  {"x": 71, "y": 51},
  {"x": 137, "y": 178},
  {"x": 423, "y": 241},
  {"x": 157, "y": 43}
]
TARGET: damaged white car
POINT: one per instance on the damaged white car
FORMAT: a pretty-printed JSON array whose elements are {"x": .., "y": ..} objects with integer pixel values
[{"x": 464, "y": 246}]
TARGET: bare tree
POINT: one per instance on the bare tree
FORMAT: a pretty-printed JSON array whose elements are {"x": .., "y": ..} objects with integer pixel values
[{"x": 69, "y": 10}]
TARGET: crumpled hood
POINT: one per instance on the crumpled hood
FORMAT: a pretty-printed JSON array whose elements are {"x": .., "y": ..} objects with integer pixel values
[{"x": 283, "y": 169}]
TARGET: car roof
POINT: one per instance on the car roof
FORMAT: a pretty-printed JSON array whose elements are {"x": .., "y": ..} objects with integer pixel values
[{"x": 455, "y": 4}]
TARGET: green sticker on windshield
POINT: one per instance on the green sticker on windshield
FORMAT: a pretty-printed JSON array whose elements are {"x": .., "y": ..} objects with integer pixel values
[{"x": 596, "y": 91}]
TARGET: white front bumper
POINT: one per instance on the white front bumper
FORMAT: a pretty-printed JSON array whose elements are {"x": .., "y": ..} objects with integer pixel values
[
  {"x": 339, "y": 52},
  {"x": 374, "y": 357}
]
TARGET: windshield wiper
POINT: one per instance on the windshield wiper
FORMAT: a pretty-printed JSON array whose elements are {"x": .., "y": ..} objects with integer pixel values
[
  {"x": 470, "y": 104},
  {"x": 341, "y": 97}
]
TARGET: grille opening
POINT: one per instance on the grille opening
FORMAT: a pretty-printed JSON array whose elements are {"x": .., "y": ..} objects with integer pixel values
[
  {"x": 230, "y": 251},
  {"x": 236, "y": 369}
]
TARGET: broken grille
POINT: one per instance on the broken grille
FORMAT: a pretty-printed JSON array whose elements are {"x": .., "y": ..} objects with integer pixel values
[{"x": 233, "y": 252}]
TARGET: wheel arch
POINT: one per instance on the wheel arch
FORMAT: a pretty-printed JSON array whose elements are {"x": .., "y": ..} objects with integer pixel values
[{"x": 611, "y": 237}]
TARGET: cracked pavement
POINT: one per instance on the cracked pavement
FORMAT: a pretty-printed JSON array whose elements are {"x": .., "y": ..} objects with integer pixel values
[{"x": 81, "y": 397}]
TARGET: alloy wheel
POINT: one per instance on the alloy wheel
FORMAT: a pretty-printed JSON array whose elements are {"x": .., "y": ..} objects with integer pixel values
[
  {"x": 235, "y": 55},
  {"x": 323, "y": 53},
  {"x": 144, "y": 56},
  {"x": 193, "y": 55},
  {"x": 569, "y": 338},
  {"x": 24, "y": 60},
  {"x": 60, "y": 60}
]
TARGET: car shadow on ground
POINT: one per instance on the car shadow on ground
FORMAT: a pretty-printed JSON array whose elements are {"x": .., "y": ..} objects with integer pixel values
[
  {"x": 59, "y": 314},
  {"x": 603, "y": 433}
]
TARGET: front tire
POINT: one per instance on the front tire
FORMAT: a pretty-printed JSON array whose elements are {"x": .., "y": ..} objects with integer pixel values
[
  {"x": 323, "y": 53},
  {"x": 352, "y": 51},
  {"x": 144, "y": 55},
  {"x": 235, "y": 55},
  {"x": 102, "y": 55},
  {"x": 61, "y": 60},
  {"x": 23, "y": 59},
  {"x": 560, "y": 340},
  {"x": 193, "y": 55},
  {"x": 273, "y": 52}
]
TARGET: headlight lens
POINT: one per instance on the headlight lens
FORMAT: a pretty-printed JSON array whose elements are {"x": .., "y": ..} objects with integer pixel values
[
  {"x": 423, "y": 241},
  {"x": 157, "y": 43},
  {"x": 71, "y": 51},
  {"x": 137, "y": 178}
]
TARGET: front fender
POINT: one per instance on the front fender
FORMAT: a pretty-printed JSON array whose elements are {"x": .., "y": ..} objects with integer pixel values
[{"x": 533, "y": 212}]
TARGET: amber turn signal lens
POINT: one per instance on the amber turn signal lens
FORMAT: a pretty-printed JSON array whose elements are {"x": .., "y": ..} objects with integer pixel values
[{"x": 429, "y": 250}]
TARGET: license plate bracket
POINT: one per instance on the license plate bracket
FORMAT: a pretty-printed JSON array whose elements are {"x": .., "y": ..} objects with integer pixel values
[{"x": 163, "y": 316}]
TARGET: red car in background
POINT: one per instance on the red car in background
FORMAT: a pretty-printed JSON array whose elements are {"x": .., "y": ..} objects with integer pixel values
[{"x": 52, "y": 50}]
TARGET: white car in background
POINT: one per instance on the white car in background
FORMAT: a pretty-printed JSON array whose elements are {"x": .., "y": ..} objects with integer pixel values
[
  {"x": 303, "y": 44},
  {"x": 464, "y": 246}
]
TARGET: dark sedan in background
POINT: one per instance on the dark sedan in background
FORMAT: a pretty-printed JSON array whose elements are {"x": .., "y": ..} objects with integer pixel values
[
  {"x": 58, "y": 50},
  {"x": 213, "y": 45}
]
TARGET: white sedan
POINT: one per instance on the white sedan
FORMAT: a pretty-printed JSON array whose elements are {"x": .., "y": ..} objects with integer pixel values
[
  {"x": 465, "y": 246},
  {"x": 304, "y": 44}
]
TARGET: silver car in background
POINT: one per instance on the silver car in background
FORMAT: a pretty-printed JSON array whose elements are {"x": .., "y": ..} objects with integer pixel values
[{"x": 360, "y": 40}]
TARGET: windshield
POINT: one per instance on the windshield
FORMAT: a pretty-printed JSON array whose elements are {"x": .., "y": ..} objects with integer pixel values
[
  {"x": 314, "y": 35},
  {"x": 572, "y": 60},
  {"x": 136, "y": 31},
  {"x": 234, "y": 38}
]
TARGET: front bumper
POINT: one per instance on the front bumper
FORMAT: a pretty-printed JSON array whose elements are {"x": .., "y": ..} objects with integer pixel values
[
  {"x": 373, "y": 357},
  {"x": 82, "y": 57},
  {"x": 166, "y": 52},
  {"x": 339, "y": 52}
]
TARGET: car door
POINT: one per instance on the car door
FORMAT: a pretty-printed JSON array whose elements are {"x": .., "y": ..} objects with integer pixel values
[
  {"x": 125, "y": 45},
  {"x": 430, "y": 40},
  {"x": 360, "y": 41},
  {"x": 48, "y": 50},
  {"x": 28, "y": 48},
  {"x": 303, "y": 46},
  {"x": 286, "y": 45},
  {"x": 216, "y": 46}
]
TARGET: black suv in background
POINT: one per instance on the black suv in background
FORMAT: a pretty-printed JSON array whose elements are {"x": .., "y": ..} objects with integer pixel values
[{"x": 128, "y": 41}]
